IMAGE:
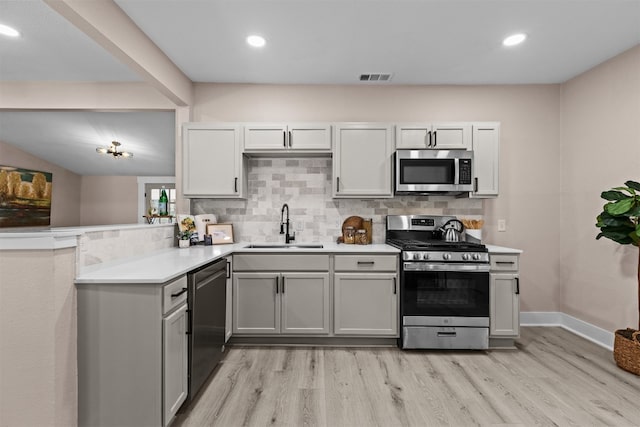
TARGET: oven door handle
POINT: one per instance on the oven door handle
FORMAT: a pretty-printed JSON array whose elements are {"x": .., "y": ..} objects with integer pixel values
[{"x": 443, "y": 266}]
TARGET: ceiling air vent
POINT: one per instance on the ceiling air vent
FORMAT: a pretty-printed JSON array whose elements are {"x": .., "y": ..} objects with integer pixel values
[{"x": 375, "y": 77}]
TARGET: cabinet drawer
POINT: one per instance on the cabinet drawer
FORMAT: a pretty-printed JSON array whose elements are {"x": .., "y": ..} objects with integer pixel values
[
  {"x": 174, "y": 294},
  {"x": 280, "y": 262},
  {"x": 503, "y": 262},
  {"x": 365, "y": 263}
]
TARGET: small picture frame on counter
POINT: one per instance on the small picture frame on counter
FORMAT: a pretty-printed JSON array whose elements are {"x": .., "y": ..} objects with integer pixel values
[{"x": 221, "y": 234}]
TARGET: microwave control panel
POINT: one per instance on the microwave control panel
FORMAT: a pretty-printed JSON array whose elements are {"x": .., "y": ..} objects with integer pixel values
[{"x": 465, "y": 171}]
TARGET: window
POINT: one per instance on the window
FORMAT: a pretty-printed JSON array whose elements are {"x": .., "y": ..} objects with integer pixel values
[{"x": 152, "y": 196}]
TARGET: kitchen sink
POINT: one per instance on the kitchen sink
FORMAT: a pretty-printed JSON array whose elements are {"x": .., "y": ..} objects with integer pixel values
[{"x": 284, "y": 246}]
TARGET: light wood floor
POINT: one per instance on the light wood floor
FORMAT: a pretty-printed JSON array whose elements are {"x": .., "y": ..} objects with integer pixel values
[{"x": 553, "y": 378}]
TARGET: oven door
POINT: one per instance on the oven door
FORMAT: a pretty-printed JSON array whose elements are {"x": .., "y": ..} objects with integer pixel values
[{"x": 445, "y": 290}]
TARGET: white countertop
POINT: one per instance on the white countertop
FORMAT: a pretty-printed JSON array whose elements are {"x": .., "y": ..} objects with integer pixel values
[
  {"x": 502, "y": 250},
  {"x": 56, "y": 237},
  {"x": 167, "y": 264}
]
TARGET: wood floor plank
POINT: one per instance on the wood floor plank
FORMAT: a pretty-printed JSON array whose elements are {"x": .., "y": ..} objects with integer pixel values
[{"x": 554, "y": 378}]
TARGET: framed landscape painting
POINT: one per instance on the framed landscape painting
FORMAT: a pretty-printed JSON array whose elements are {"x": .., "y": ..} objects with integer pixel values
[{"x": 25, "y": 197}]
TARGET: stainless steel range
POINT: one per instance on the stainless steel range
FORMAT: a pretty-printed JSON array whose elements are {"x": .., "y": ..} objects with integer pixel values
[{"x": 444, "y": 284}]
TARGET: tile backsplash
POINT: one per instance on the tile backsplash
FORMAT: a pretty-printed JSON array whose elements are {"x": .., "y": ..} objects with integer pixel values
[{"x": 305, "y": 185}]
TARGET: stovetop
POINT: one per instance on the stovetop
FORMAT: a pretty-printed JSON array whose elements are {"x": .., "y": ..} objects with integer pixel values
[{"x": 435, "y": 245}]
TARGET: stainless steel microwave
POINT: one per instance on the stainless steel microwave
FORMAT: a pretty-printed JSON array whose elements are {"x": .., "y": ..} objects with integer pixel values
[{"x": 433, "y": 171}]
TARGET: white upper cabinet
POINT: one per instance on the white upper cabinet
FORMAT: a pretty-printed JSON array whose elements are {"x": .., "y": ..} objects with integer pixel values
[
  {"x": 437, "y": 136},
  {"x": 212, "y": 161},
  {"x": 486, "y": 159},
  {"x": 282, "y": 137},
  {"x": 362, "y": 160}
]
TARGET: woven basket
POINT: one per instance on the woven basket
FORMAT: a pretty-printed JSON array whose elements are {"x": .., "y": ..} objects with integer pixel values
[{"x": 626, "y": 350}]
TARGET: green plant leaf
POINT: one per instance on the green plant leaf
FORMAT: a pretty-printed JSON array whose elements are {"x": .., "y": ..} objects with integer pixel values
[
  {"x": 634, "y": 212},
  {"x": 633, "y": 184},
  {"x": 618, "y": 237},
  {"x": 619, "y": 207},
  {"x": 606, "y": 220},
  {"x": 613, "y": 195}
]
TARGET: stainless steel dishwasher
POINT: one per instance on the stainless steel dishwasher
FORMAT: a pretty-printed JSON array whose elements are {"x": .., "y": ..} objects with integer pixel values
[{"x": 206, "y": 300}]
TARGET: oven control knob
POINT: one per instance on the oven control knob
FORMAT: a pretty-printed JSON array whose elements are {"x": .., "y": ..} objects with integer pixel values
[
  {"x": 416, "y": 255},
  {"x": 446, "y": 256},
  {"x": 476, "y": 256},
  {"x": 466, "y": 257}
]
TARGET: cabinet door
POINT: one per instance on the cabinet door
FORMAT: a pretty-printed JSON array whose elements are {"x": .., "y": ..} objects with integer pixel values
[
  {"x": 211, "y": 161},
  {"x": 265, "y": 136},
  {"x": 486, "y": 159},
  {"x": 256, "y": 303},
  {"x": 316, "y": 137},
  {"x": 229, "y": 303},
  {"x": 305, "y": 303},
  {"x": 362, "y": 161},
  {"x": 365, "y": 304},
  {"x": 504, "y": 305},
  {"x": 451, "y": 136},
  {"x": 175, "y": 362},
  {"x": 416, "y": 135}
]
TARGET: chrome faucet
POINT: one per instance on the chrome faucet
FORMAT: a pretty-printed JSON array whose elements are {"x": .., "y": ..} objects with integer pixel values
[{"x": 287, "y": 238}]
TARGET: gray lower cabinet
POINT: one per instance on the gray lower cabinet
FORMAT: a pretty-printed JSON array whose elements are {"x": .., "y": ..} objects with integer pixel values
[
  {"x": 175, "y": 363},
  {"x": 281, "y": 303},
  {"x": 132, "y": 353},
  {"x": 504, "y": 296},
  {"x": 366, "y": 295}
]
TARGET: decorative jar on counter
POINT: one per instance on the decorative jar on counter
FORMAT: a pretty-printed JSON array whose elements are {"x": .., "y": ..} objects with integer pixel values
[
  {"x": 349, "y": 235},
  {"x": 361, "y": 237}
]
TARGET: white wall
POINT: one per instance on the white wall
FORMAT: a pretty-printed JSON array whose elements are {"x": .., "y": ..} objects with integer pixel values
[
  {"x": 530, "y": 161},
  {"x": 600, "y": 149},
  {"x": 109, "y": 200}
]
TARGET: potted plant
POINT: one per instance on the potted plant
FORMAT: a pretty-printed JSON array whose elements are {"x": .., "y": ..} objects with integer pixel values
[
  {"x": 184, "y": 238},
  {"x": 620, "y": 222}
]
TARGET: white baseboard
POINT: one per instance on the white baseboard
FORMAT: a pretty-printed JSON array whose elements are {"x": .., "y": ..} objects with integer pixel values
[{"x": 593, "y": 333}]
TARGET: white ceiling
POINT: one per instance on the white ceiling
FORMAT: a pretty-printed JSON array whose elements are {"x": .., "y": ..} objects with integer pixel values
[
  {"x": 308, "y": 42},
  {"x": 419, "y": 41},
  {"x": 70, "y": 138}
]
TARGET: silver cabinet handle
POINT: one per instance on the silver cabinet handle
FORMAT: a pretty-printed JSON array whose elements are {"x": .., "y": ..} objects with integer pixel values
[
  {"x": 395, "y": 288},
  {"x": 235, "y": 184},
  {"x": 290, "y": 140},
  {"x": 366, "y": 262},
  {"x": 435, "y": 138},
  {"x": 337, "y": 184},
  {"x": 429, "y": 144},
  {"x": 517, "y": 286},
  {"x": 277, "y": 284},
  {"x": 284, "y": 138},
  {"x": 283, "y": 285}
]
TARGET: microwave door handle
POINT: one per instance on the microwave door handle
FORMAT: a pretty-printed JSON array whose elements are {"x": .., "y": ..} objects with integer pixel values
[{"x": 456, "y": 168}]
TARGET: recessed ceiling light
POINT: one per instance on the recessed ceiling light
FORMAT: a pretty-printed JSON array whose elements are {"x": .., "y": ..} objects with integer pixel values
[
  {"x": 6, "y": 30},
  {"x": 256, "y": 41},
  {"x": 514, "y": 39}
]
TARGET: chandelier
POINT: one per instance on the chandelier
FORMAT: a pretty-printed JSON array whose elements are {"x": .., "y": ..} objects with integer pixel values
[{"x": 113, "y": 150}]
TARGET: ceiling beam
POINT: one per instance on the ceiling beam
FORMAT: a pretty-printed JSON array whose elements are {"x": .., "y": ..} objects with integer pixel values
[{"x": 111, "y": 28}]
